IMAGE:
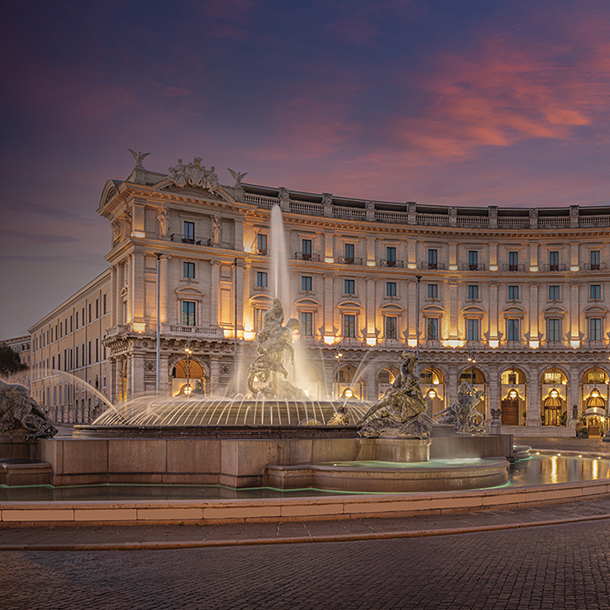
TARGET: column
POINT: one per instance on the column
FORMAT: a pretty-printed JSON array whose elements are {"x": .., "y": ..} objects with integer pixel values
[
  {"x": 534, "y": 257},
  {"x": 412, "y": 254},
  {"x": 214, "y": 293},
  {"x": 493, "y": 314},
  {"x": 371, "y": 261},
  {"x": 454, "y": 331},
  {"x": 493, "y": 398},
  {"x": 329, "y": 255},
  {"x": 371, "y": 309},
  {"x": 453, "y": 256},
  {"x": 129, "y": 284},
  {"x": 239, "y": 287},
  {"x": 412, "y": 311},
  {"x": 116, "y": 295},
  {"x": 533, "y": 315},
  {"x": 574, "y": 391},
  {"x": 452, "y": 385},
  {"x": 329, "y": 306},
  {"x": 493, "y": 257},
  {"x": 137, "y": 373},
  {"x": 533, "y": 396},
  {"x": 164, "y": 289},
  {"x": 574, "y": 333},
  {"x": 574, "y": 259},
  {"x": 137, "y": 286},
  {"x": 239, "y": 235}
]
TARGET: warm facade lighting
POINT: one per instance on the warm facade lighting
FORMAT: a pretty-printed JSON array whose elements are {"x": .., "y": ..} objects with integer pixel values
[
  {"x": 453, "y": 343},
  {"x": 412, "y": 266},
  {"x": 139, "y": 234},
  {"x": 139, "y": 327},
  {"x": 329, "y": 259},
  {"x": 370, "y": 263},
  {"x": 534, "y": 344},
  {"x": 249, "y": 335},
  {"x": 575, "y": 344},
  {"x": 494, "y": 343},
  {"x": 493, "y": 267},
  {"x": 574, "y": 268},
  {"x": 371, "y": 341},
  {"x": 432, "y": 394},
  {"x": 348, "y": 393},
  {"x": 329, "y": 340},
  {"x": 533, "y": 269},
  {"x": 412, "y": 342},
  {"x": 452, "y": 267}
]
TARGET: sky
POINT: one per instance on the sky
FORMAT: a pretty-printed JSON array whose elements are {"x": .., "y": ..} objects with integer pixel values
[{"x": 452, "y": 103}]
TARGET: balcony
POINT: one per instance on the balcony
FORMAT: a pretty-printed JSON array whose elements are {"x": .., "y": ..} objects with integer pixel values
[
  {"x": 391, "y": 263},
  {"x": 187, "y": 240},
  {"x": 300, "y": 256},
  {"x": 261, "y": 251},
  {"x": 558, "y": 267},
  {"x": 200, "y": 331},
  {"x": 473, "y": 267},
  {"x": 432, "y": 266},
  {"x": 514, "y": 268},
  {"x": 349, "y": 261},
  {"x": 595, "y": 266}
]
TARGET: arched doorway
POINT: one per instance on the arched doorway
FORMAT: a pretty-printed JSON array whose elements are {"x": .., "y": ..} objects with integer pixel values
[
  {"x": 478, "y": 377},
  {"x": 188, "y": 378},
  {"x": 554, "y": 389},
  {"x": 385, "y": 379},
  {"x": 433, "y": 389},
  {"x": 348, "y": 384},
  {"x": 595, "y": 400},
  {"x": 513, "y": 397}
]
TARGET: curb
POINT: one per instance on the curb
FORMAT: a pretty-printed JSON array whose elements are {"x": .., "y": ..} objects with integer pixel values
[{"x": 150, "y": 546}]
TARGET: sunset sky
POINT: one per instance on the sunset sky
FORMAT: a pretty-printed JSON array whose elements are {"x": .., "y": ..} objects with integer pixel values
[{"x": 461, "y": 103}]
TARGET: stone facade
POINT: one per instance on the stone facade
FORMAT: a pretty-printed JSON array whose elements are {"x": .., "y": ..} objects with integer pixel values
[{"x": 525, "y": 289}]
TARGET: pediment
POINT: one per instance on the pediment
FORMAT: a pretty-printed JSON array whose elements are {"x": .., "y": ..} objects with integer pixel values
[
  {"x": 392, "y": 307},
  {"x": 596, "y": 310},
  {"x": 307, "y": 302},
  {"x": 513, "y": 309},
  {"x": 189, "y": 291},
  {"x": 473, "y": 309},
  {"x": 433, "y": 309},
  {"x": 261, "y": 301},
  {"x": 555, "y": 310},
  {"x": 219, "y": 195},
  {"x": 348, "y": 304}
]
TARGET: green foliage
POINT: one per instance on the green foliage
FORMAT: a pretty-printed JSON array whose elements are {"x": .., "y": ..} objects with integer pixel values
[{"x": 10, "y": 361}]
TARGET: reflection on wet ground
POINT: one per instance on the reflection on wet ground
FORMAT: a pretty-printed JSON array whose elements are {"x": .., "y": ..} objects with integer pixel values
[{"x": 535, "y": 470}]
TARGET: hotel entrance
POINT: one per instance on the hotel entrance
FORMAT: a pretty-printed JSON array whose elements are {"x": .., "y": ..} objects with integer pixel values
[{"x": 513, "y": 395}]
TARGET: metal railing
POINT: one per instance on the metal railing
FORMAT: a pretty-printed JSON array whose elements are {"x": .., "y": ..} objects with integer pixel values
[
  {"x": 299, "y": 256},
  {"x": 595, "y": 266},
  {"x": 558, "y": 267},
  {"x": 514, "y": 268},
  {"x": 342, "y": 260},
  {"x": 432, "y": 266},
  {"x": 473, "y": 266},
  {"x": 386, "y": 263}
]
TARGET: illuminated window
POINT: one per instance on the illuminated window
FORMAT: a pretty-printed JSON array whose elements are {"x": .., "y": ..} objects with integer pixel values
[
  {"x": 513, "y": 261},
  {"x": 473, "y": 329},
  {"x": 553, "y": 293},
  {"x": 433, "y": 291},
  {"x": 261, "y": 244},
  {"x": 261, "y": 279},
  {"x": 390, "y": 256},
  {"x": 595, "y": 329},
  {"x": 595, "y": 260},
  {"x": 188, "y": 313},
  {"x": 473, "y": 292},
  {"x": 189, "y": 232},
  {"x": 390, "y": 289},
  {"x": 306, "y": 248},
  {"x": 348, "y": 253},
  {"x": 306, "y": 283},
  {"x": 391, "y": 327},
  {"x": 349, "y": 325},
  {"x": 306, "y": 323},
  {"x": 259, "y": 316},
  {"x": 473, "y": 259},
  {"x": 432, "y": 259},
  {"x": 188, "y": 270},
  {"x": 554, "y": 261}
]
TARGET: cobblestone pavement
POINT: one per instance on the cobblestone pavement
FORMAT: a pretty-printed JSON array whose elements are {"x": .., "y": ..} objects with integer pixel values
[{"x": 550, "y": 567}]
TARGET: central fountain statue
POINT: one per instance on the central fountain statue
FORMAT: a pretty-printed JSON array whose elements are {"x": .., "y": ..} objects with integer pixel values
[
  {"x": 401, "y": 410},
  {"x": 464, "y": 415},
  {"x": 267, "y": 375}
]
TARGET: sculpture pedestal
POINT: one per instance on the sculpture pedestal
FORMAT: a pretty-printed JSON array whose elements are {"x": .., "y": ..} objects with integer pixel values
[
  {"x": 395, "y": 449},
  {"x": 13, "y": 445}
]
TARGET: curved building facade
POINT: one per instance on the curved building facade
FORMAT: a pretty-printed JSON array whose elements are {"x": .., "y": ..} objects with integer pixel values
[{"x": 513, "y": 299}]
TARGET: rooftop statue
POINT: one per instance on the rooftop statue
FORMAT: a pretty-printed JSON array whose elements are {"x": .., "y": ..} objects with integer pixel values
[
  {"x": 194, "y": 174},
  {"x": 267, "y": 375},
  {"x": 400, "y": 412},
  {"x": 139, "y": 157},
  {"x": 464, "y": 414},
  {"x": 18, "y": 410},
  {"x": 237, "y": 176}
]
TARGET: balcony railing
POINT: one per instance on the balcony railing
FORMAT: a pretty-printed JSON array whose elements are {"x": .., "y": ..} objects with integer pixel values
[
  {"x": 390, "y": 263},
  {"x": 432, "y": 266},
  {"x": 473, "y": 267},
  {"x": 513, "y": 223},
  {"x": 595, "y": 266},
  {"x": 300, "y": 256},
  {"x": 261, "y": 251},
  {"x": 349, "y": 261},
  {"x": 211, "y": 333},
  {"x": 514, "y": 268},
  {"x": 188, "y": 240},
  {"x": 559, "y": 267}
]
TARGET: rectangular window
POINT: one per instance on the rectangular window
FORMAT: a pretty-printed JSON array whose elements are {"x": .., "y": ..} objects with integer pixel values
[
  {"x": 350, "y": 286},
  {"x": 76, "y": 321},
  {"x": 512, "y": 329},
  {"x": 348, "y": 253},
  {"x": 189, "y": 232},
  {"x": 595, "y": 260},
  {"x": 261, "y": 279},
  {"x": 554, "y": 261},
  {"x": 554, "y": 333},
  {"x": 76, "y": 356},
  {"x": 82, "y": 353},
  {"x": 71, "y": 319},
  {"x": 473, "y": 259},
  {"x": 553, "y": 293},
  {"x": 261, "y": 244},
  {"x": 90, "y": 316},
  {"x": 390, "y": 254},
  {"x": 83, "y": 321},
  {"x": 596, "y": 291},
  {"x": 104, "y": 304},
  {"x": 306, "y": 283},
  {"x": 513, "y": 261},
  {"x": 513, "y": 293},
  {"x": 61, "y": 329},
  {"x": 390, "y": 289},
  {"x": 97, "y": 349},
  {"x": 391, "y": 331},
  {"x": 306, "y": 323},
  {"x": 188, "y": 313},
  {"x": 349, "y": 325},
  {"x": 188, "y": 270},
  {"x": 97, "y": 308},
  {"x": 432, "y": 259},
  {"x": 433, "y": 291},
  {"x": 473, "y": 329},
  {"x": 432, "y": 329},
  {"x": 90, "y": 359},
  {"x": 306, "y": 249},
  {"x": 259, "y": 315},
  {"x": 473, "y": 292},
  {"x": 595, "y": 329}
]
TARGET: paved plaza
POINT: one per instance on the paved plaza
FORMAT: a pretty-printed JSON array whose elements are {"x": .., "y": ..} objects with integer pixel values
[{"x": 546, "y": 557}]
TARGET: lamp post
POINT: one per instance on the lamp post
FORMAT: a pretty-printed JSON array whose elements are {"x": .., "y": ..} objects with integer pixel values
[
  {"x": 338, "y": 357},
  {"x": 158, "y": 255},
  {"x": 236, "y": 380},
  {"x": 418, "y": 277},
  {"x": 472, "y": 359},
  {"x": 188, "y": 351}
]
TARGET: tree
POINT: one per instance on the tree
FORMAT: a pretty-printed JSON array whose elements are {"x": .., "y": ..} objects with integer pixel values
[{"x": 10, "y": 362}]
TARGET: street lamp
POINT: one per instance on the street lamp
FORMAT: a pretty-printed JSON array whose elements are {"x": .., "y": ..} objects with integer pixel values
[
  {"x": 338, "y": 357},
  {"x": 158, "y": 255},
  {"x": 472, "y": 359},
  {"x": 418, "y": 277},
  {"x": 188, "y": 388}
]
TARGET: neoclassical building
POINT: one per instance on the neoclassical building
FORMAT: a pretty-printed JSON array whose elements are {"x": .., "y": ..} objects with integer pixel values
[{"x": 513, "y": 299}]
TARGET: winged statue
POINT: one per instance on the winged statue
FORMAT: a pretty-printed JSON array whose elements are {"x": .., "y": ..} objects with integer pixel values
[{"x": 238, "y": 177}]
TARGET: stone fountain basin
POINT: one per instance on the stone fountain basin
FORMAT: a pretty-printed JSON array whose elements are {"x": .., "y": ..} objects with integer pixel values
[{"x": 392, "y": 477}]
